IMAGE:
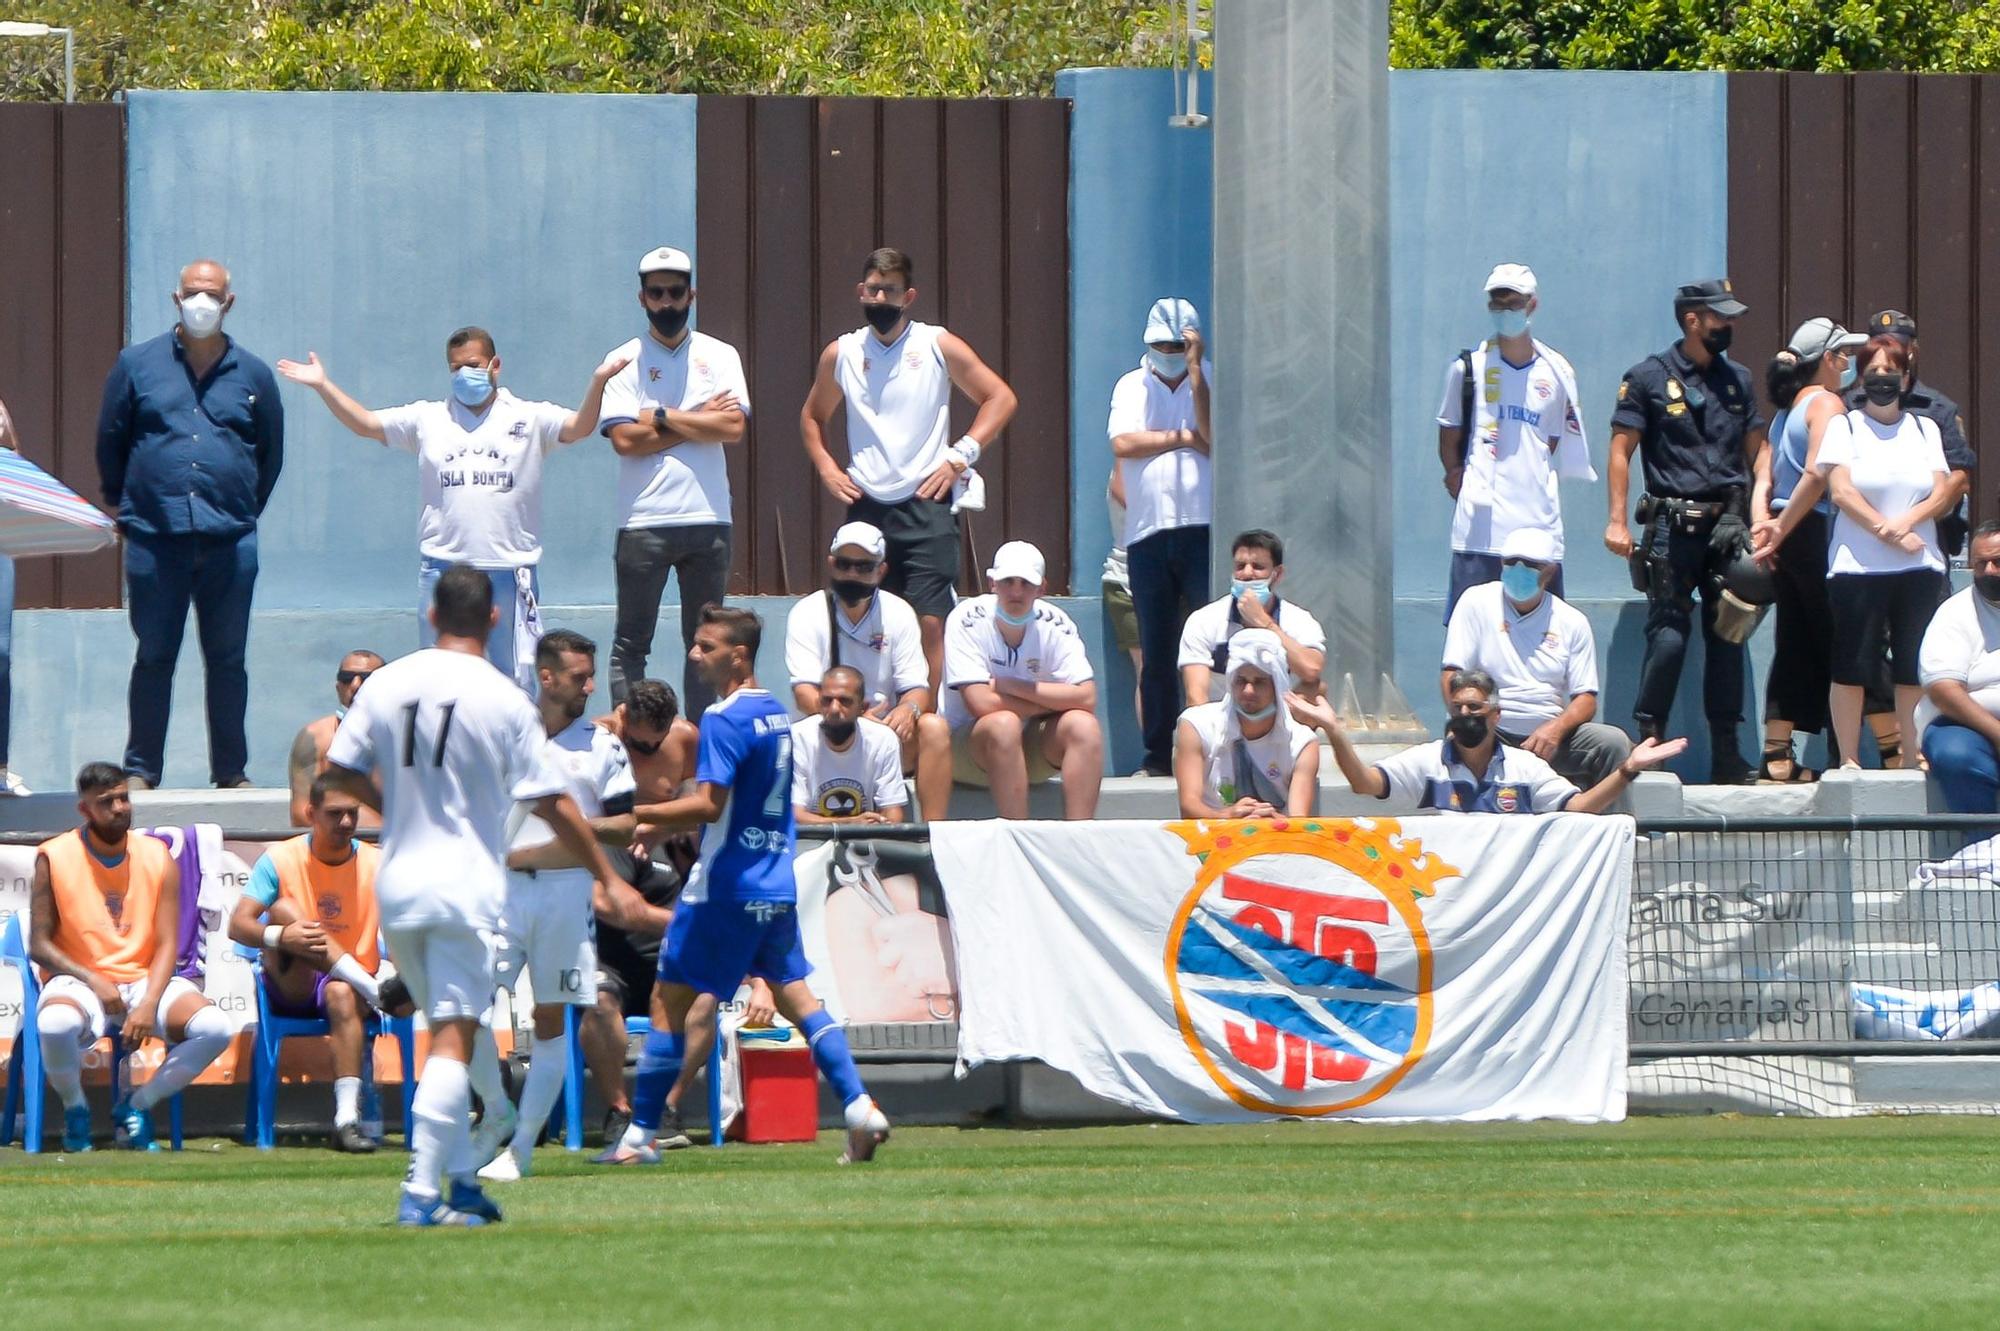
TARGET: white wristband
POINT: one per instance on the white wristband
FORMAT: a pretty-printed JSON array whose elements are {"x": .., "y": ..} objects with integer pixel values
[
  {"x": 271, "y": 935},
  {"x": 968, "y": 448}
]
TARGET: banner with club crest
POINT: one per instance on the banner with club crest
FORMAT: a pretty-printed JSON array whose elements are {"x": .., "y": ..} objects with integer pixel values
[{"x": 1423, "y": 968}]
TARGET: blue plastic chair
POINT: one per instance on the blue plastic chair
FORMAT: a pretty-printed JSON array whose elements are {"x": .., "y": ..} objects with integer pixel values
[
  {"x": 24, "y": 1064},
  {"x": 25, "y": 1081},
  {"x": 260, "y": 1127},
  {"x": 571, "y": 1103}
]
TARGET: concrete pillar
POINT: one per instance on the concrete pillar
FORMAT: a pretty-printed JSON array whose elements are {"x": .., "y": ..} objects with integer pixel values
[{"x": 1301, "y": 326}]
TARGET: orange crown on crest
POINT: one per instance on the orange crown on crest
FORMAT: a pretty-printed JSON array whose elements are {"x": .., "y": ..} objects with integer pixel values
[{"x": 1374, "y": 848}]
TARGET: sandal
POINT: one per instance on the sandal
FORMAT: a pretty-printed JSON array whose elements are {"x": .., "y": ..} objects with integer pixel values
[
  {"x": 1782, "y": 753},
  {"x": 1891, "y": 754}
]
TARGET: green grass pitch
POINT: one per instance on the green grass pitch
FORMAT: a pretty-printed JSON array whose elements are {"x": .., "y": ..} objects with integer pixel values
[{"x": 1682, "y": 1223}]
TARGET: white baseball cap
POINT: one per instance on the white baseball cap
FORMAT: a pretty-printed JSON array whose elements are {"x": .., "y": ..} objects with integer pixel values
[
  {"x": 863, "y": 535},
  {"x": 1169, "y": 320},
  {"x": 666, "y": 259},
  {"x": 1536, "y": 544},
  {"x": 1018, "y": 559},
  {"x": 1511, "y": 277}
]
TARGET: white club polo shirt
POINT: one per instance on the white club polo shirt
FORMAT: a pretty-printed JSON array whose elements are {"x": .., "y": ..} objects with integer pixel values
[
  {"x": 1540, "y": 660},
  {"x": 887, "y": 646},
  {"x": 1516, "y": 781},
  {"x": 1205, "y": 637},
  {"x": 1050, "y": 652}
]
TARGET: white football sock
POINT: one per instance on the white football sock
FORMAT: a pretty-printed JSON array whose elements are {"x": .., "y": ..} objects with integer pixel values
[
  {"x": 442, "y": 1111},
  {"x": 346, "y": 1101},
  {"x": 208, "y": 1034},
  {"x": 62, "y": 1027},
  {"x": 351, "y": 973},
  {"x": 549, "y": 1060}
]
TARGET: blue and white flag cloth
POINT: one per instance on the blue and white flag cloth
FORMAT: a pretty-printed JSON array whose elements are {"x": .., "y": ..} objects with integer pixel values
[
  {"x": 39, "y": 515},
  {"x": 1443, "y": 967}
]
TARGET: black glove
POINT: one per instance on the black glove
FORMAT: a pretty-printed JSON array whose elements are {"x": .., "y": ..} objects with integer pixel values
[{"x": 1730, "y": 538}]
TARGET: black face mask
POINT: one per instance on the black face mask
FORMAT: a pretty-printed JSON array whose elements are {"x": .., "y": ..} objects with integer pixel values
[
  {"x": 669, "y": 320},
  {"x": 1883, "y": 389},
  {"x": 838, "y": 731},
  {"x": 1987, "y": 585},
  {"x": 851, "y": 591},
  {"x": 1717, "y": 340},
  {"x": 882, "y": 317},
  {"x": 1467, "y": 731}
]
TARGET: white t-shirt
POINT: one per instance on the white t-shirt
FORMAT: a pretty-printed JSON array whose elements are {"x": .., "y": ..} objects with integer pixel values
[
  {"x": 1275, "y": 754},
  {"x": 686, "y": 485},
  {"x": 866, "y": 778},
  {"x": 1894, "y": 468},
  {"x": 1170, "y": 489},
  {"x": 1963, "y": 644},
  {"x": 482, "y": 476},
  {"x": 1210, "y": 628},
  {"x": 1516, "y": 781},
  {"x": 1540, "y": 660},
  {"x": 1510, "y": 467},
  {"x": 898, "y": 397},
  {"x": 455, "y": 745},
  {"x": 887, "y": 646},
  {"x": 1051, "y": 652},
  {"x": 595, "y": 771}
]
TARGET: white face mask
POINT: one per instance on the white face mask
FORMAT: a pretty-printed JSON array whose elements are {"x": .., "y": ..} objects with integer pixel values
[{"x": 201, "y": 314}]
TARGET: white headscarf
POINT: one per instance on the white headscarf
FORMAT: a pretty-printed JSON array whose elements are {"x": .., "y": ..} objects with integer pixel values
[{"x": 1259, "y": 649}]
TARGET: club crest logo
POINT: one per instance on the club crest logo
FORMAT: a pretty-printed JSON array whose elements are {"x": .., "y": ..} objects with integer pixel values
[
  {"x": 329, "y": 905},
  {"x": 1299, "y": 965}
]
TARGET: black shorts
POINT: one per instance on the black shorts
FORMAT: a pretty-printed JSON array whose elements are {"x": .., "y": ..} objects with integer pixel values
[
  {"x": 922, "y": 536},
  {"x": 1865, "y": 605},
  {"x": 626, "y": 962}
]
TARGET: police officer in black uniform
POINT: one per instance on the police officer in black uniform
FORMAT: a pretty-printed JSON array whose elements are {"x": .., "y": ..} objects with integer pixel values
[{"x": 1692, "y": 410}]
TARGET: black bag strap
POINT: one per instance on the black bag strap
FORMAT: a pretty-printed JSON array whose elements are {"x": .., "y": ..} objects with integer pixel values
[
  {"x": 1464, "y": 404},
  {"x": 832, "y": 633}
]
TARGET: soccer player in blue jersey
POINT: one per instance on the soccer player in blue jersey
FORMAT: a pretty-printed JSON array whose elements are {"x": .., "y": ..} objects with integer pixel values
[{"x": 738, "y": 914}]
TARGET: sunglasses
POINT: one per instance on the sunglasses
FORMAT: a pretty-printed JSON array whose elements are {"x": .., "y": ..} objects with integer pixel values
[
  {"x": 842, "y": 564},
  {"x": 352, "y": 676},
  {"x": 676, "y": 292},
  {"x": 642, "y": 748},
  {"x": 1523, "y": 563}
]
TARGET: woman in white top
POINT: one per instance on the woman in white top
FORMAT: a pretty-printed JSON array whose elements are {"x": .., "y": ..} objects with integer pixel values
[
  {"x": 1886, "y": 471},
  {"x": 1245, "y": 757}
]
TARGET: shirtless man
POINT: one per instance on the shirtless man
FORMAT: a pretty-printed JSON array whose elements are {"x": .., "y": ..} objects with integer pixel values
[{"x": 308, "y": 758}]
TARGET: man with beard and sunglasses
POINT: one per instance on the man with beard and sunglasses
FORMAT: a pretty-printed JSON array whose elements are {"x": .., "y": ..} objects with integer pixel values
[
  {"x": 906, "y": 475},
  {"x": 856, "y": 623},
  {"x": 670, "y": 415},
  {"x": 308, "y": 758}
]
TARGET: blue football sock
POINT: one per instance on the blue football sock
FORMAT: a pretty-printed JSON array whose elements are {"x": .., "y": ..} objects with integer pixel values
[
  {"x": 835, "y": 1060},
  {"x": 659, "y": 1064}
]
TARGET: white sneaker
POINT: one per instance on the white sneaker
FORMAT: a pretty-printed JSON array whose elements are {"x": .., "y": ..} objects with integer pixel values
[
  {"x": 506, "y": 1167},
  {"x": 12, "y": 784},
  {"x": 867, "y": 1128},
  {"x": 495, "y": 1129}
]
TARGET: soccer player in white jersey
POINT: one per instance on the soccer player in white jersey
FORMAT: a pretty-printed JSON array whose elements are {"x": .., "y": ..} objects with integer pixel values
[
  {"x": 1019, "y": 693},
  {"x": 479, "y": 457},
  {"x": 454, "y": 745},
  {"x": 671, "y": 416},
  {"x": 738, "y": 915},
  {"x": 546, "y": 927},
  {"x": 906, "y": 475}
]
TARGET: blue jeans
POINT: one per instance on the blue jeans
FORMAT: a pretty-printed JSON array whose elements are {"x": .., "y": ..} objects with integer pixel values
[
  {"x": 1964, "y": 766},
  {"x": 1168, "y": 573},
  {"x": 6, "y": 654},
  {"x": 500, "y": 645},
  {"x": 163, "y": 576}
]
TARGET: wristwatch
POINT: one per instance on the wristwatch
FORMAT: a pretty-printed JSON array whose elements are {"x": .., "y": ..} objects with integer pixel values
[{"x": 659, "y": 418}]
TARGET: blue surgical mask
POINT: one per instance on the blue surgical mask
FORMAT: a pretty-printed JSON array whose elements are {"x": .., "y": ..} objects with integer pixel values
[
  {"x": 1167, "y": 364},
  {"x": 471, "y": 385},
  {"x": 1011, "y": 621},
  {"x": 1259, "y": 587},
  {"x": 1520, "y": 582},
  {"x": 1510, "y": 323},
  {"x": 1260, "y": 714},
  {"x": 1849, "y": 373}
]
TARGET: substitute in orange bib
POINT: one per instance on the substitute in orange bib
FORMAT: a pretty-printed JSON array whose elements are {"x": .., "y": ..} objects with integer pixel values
[
  {"x": 311, "y": 908},
  {"x": 103, "y": 926}
]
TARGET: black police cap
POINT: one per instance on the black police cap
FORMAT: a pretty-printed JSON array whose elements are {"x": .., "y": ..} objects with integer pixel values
[
  {"x": 1715, "y": 294},
  {"x": 1894, "y": 322}
]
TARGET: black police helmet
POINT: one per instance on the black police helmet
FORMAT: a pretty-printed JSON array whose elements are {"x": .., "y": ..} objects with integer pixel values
[{"x": 1750, "y": 581}]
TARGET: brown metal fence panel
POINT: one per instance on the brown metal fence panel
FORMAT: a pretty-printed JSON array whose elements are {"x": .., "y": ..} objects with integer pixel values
[
  {"x": 794, "y": 194},
  {"x": 62, "y": 287},
  {"x": 1852, "y": 193}
]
